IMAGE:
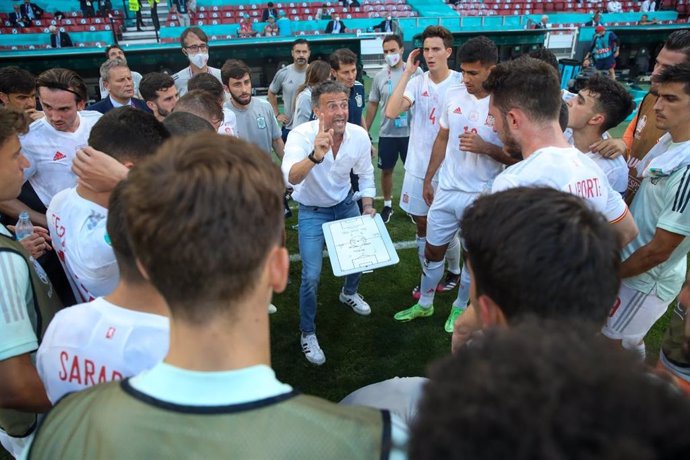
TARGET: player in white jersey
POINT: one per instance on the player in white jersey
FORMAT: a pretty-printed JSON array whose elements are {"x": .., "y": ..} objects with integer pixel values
[
  {"x": 601, "y": 105},
  {"x": 113, "y": 337},
  {"x": 525, "y": 103},
  {"x": 423, "y": 96},
  {"x": 52, "y": 142},
  {"x": 472, "y": 155},
  {"x": 77, "y": 216}
]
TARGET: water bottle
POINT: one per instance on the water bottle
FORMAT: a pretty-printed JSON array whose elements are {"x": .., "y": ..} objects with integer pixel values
[{"x": 24, "y": 226}]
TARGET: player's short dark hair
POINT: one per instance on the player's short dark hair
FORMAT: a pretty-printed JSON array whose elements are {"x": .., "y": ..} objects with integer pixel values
[
  {"x": 153, "y": 82},
  {"x": 14, "y": 80},
  {"x": 201, "y": 35},
  {"x": 116, "y": 226},
  {"x": 327, "y": 87},
  {"x": 679, "y": 73},
  {"x": 300, "y": 41},
  {"x": 111, "y": 47},
  {"x": 226, "y": 197},
  {"x": 528, "y": 84},
  {"x": 679, "y": 41},
  {"x": 64, "y": 80},
  {"x": 563, "y": 116},
  {"x": 612, "y": 99},
  {"x": 207, "y": 82},
  {"x": 543, "y": 392},
  {"x": 11, "y": 123},
  {"x": 342, "y": 56},
  {"x": 127, "y": 133},
  {"x": 546, "y": 55},
  {"x": 202, "y": 104},
  {"x": 544, "y": 252},
  {"x": 479, "y": 49},
  {"x": 235, "y": 69},
  {"x": 185, "y": 123},
  {"x": 440, "y": 32},
  {"x": 393, "y": 38}
]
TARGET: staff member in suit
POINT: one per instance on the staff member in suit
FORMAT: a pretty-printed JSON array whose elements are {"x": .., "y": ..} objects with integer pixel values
[
  {"x": 336, "y": 26},
  {"x": 31, "y": 10},
  {"x": 117, "y": 79},
  {"x": 59, "y": 39}
]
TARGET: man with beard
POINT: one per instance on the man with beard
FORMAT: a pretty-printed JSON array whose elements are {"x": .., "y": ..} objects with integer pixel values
[
  {"x": 525, "y": 104},
  {"x": 287, "y": 80},
  {"x": 117, "y": 79},
  {"x": 256, "y": 121},
  {"x": 319, "y": 156},
  {"x": 160, "y": 94}
]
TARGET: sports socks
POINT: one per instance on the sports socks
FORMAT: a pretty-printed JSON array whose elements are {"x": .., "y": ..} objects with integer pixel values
[
  {"x": 463, "y": 290},
  {"x": 388, "y": 203},
  {"x": 453, "y": 255},
  {"x": 431, "y": 276}
]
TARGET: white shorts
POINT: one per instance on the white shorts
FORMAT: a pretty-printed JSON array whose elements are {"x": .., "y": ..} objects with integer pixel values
[
  {"x": 411, "y": 195},
  {"x": 443, "y": 220},
  {"x": 633, "y": 315}
]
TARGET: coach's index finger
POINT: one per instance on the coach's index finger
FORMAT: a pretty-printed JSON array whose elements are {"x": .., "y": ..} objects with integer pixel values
[{"x": 322, "y": 126}]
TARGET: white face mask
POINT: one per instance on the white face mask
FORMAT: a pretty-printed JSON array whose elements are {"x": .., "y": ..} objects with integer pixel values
[
  {"x": 392, "y": 59},
  {"x": 199, "y": 60},
  {"x": 388, "y": 18}
]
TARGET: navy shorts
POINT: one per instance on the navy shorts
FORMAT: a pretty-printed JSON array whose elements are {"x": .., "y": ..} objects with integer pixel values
[{"x": 389, "y": 149}]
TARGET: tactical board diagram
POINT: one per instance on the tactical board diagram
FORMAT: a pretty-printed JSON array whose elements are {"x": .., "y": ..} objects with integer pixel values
[{"x": 359, "y": 244}]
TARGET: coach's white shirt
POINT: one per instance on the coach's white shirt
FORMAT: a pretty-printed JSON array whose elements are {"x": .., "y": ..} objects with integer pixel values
[
  {"x": 569, "y": 170},
  {"x": 229, "y": 125},
  {"x": 80, "y": 240},
  {"x": 328, "y": 183},
  {"x": 97, "y": 342},
  {"x": 463, "y": 170},
  {"x": 51, "y": 153}
]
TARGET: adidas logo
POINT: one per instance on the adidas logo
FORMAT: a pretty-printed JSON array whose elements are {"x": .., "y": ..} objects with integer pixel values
[
  {"x": 425, "y": 93},
  {"x": 458, "y": 110},
  {"x": 59, "y": 156}
]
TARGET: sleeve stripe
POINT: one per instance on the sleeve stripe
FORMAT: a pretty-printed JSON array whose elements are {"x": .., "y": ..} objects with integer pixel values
[
  {"x": 681, "y": 199},
  {"x": 12, "y": 301},
  {"x": 620, "y": 218}
]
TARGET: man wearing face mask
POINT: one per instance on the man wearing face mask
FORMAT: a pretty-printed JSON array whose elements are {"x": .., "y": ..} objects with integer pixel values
[
  {"x": 336, "y": 26},
  {"x": 195, "y": 46},
  {"x": 394, "y": 134},
  {"x": 387, "y": 25}
]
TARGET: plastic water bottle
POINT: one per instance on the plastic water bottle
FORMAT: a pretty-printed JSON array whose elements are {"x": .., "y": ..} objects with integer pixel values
[{"x": 24, "y": 226}]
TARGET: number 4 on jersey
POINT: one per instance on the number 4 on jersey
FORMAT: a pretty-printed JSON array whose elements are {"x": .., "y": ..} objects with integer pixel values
[{"x": 432, "y": 117}]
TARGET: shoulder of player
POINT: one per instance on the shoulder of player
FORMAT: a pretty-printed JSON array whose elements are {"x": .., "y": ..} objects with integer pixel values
[
  {"x": 180, "y": 74},
  {"x": 358, "y": 83},
  {"x": 62, "y": 198},
  {"x": 92, "y": 115},
  {"x": 36, "y": 130},
  {"x": 262, "y": 105}
]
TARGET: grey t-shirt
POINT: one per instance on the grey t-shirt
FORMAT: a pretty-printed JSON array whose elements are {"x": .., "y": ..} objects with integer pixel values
[
  {"x": 381, "y": 88},
  {"x": 257, "y": 124},
  {"x": 287, "y": 80},
  {"x": 303, "y": 109}
]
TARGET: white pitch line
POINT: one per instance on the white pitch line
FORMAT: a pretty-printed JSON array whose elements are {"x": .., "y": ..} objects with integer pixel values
[{"x": 399, "y": 245}]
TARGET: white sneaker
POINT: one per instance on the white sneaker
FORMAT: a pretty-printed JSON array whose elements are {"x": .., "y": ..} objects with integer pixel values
[
  {"x": 356, "y": 302},
  {"x": 312, "y": 350},
  {"x": 271, "y": 309}
]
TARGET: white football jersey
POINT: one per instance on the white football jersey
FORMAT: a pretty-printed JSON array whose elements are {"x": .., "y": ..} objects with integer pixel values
[
  {"x": 229, "y": 125},
  {"x": 461, "y": 170},
  {"x": 80, "y": 240},
  {"x": 98, "y": 342},
  {"x": 51, "y": 152},
  {"x": 569, "y": 170},
  {"x": 427, "y": 99}
]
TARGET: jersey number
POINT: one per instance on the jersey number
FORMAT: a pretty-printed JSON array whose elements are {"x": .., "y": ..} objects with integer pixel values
[
  {"x": 432, "y": 117},
  {"x": 468, "y": 130}
]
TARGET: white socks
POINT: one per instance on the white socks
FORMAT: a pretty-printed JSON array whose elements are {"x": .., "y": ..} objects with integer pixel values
[
  {"x": 431, "y": 276},
  {"x": 453, "y": 255},
  {"x": 463, "y": 290}
]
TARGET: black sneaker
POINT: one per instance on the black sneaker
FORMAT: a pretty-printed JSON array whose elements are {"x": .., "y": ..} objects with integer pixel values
[
  {"x": 448, "y": 284},
  {"x": 386, "y": 214}
]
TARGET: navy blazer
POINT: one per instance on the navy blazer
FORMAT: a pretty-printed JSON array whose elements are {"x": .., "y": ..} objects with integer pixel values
[{"x": 105, "y": 106}]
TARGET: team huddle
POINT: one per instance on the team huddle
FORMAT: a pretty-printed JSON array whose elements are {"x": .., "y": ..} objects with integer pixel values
[{"x": 144, "y": 336}]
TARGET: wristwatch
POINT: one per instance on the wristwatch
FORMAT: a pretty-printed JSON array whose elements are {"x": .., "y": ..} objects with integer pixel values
[{"x": 313, "y": 158}]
